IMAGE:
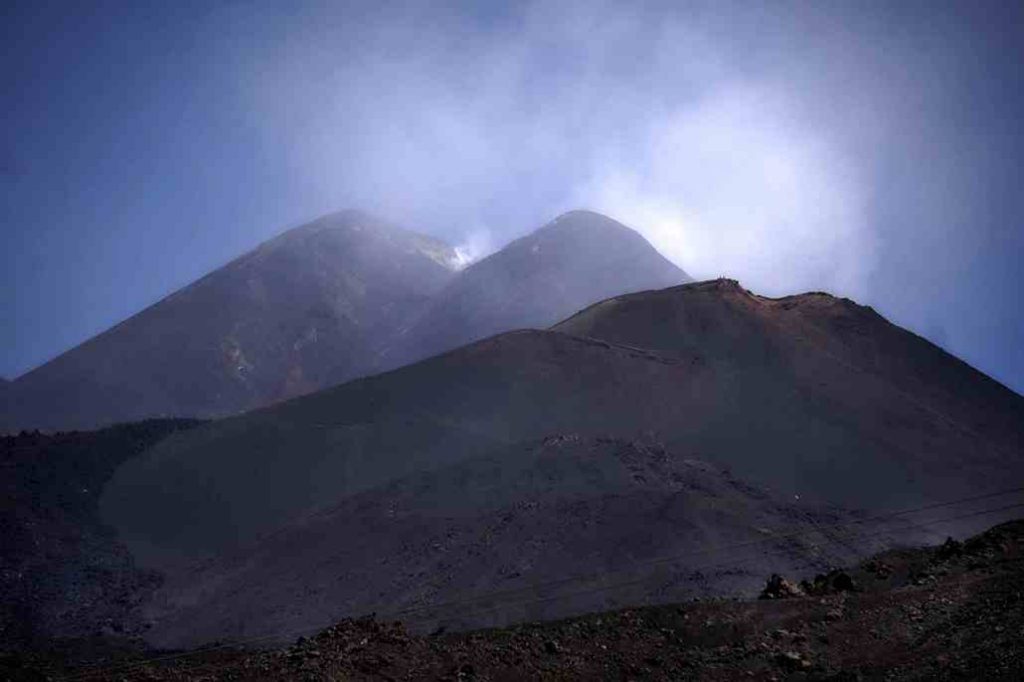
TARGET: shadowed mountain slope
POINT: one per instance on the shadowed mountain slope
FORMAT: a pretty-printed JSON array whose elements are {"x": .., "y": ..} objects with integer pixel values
[
  {"x": 305, "y": 310},
  {"x": 527, "y": 515},
  {"x": 62, "y": 572},
  {"x": 945, "y": 612},
  {"x": 808, "y": 396},
  {"x": 577, "y": 259},
  {"x": 818, "y": 340}
]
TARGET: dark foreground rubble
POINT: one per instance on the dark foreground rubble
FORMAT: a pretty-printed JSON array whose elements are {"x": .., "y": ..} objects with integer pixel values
[{"x": 949, "y": 612}]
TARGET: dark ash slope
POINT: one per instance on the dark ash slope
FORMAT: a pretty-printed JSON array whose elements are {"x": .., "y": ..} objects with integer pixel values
[
  {"x": 950, "y": 612},
  {"x": 810, "y": 395},
  {"x": 63, "y": 574},
  {"x": 511, "y": 521}
]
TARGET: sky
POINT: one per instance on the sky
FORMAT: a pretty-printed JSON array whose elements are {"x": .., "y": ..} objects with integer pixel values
[{"x": 871, "y": 150}]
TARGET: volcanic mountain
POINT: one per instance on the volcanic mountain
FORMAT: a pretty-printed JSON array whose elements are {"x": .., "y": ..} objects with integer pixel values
[
  {"x": 599, "y": 510},
  {"x": 577, "y": 259},
  {"x": 305, "y": 310},
  {"x": 341, "y": 297},
  {"x": 623, "y": 420}
]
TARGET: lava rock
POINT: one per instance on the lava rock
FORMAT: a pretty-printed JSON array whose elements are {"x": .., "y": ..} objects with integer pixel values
[{"x": 778, "y": 587}]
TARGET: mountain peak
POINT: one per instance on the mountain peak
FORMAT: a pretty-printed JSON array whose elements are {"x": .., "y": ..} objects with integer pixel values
[
  {"x": 583, "y": 236},
  {"x": 362, "y": 230},
  {"x": 580, "y": 220},
  {"x": 589, "y": 239},
  {"x": 306, "y": 309},
  {"x": 573, "y": 261},
  {"x": 345, "y": 220},
  {"x": 579, "y": 214}
]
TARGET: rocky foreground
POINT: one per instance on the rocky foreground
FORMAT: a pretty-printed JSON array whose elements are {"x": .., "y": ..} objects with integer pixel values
[{"x": 950, "y": 612}]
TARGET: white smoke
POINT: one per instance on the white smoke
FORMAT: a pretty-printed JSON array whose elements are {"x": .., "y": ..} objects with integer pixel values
[
  {"x": 478, "y": 244},
  {"x": 739, "y": 186},
  {"x": 643, "y": 115}
]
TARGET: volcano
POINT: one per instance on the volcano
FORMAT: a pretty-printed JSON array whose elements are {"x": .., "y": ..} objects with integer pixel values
[
  {"x": 703, "y": 408},
  {"x": 342, "y": 297}
]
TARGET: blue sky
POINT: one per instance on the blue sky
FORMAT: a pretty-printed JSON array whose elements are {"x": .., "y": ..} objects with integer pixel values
[{"x": 873, "y": 150}]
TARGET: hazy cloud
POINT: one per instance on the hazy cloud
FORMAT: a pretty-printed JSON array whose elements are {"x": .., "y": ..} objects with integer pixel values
[
  {"x": 871, "y": 149},
  {"x": 642, "y": 114}
]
